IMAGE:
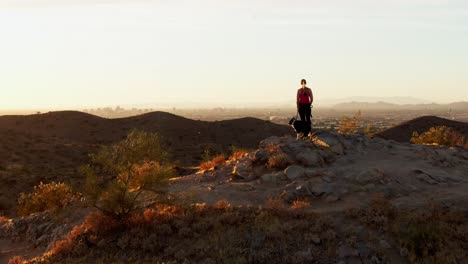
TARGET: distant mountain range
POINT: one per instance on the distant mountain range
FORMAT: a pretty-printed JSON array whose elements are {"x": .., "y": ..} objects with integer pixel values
[{"x": 456, "y": 106}]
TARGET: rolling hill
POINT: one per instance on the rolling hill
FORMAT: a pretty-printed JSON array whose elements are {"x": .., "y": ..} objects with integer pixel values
[
  {"x": 404, "y": 131},
  {"x": 52, "y": 146}
]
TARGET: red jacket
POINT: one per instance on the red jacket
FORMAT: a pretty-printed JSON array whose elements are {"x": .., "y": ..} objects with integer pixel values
[{"x": 304, "y": 96}]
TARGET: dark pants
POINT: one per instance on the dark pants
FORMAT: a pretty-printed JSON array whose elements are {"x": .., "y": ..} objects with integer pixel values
[{"x": 305, "y": 112}]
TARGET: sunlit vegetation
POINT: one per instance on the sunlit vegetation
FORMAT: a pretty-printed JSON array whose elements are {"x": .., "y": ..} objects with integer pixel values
[
  {"x": 440, "y": 135},
  {"x": 198, "y": 234},
  {"x": 238, "y": 153},
  {"x": 51, "y": 196},
  {"x": 350, "y": 125},
  {"x": 124, "y": 177},
  {"x": 278, "y": 161},
  {"x": 211, "y": 164}
]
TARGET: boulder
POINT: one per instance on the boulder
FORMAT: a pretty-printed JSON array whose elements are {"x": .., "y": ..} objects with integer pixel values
[
  {"x": 309, "y": 158},
  {"x": 371, "y": 175},
  {"x": 260, "y": 155},
  {"x": 270, "y": 141},
  {"x": 310, "y": 173},
  {"x": 273, "y": 177},
  {"x": 330, "y": 141},
  {"x": 243, "y": 169},
  {"x": 321, "y": 189},
  {"x": 294, "y": 172}
]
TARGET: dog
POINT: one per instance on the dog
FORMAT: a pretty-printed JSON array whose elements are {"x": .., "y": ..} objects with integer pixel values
[{"x": 302, "y": 128}]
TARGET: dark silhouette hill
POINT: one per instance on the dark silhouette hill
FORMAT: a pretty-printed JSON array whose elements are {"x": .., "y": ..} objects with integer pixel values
[
  {"x": 52, "y": 146},
  {"x": 404, "y": 131},
  {"x": 385, "y": 106}
]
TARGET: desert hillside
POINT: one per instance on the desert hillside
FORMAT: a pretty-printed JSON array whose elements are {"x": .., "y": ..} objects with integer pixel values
[
  {"x": 52, "y": 146},
  {"x": 404, "y": 131},
  {"x": 329, "y": 199}
]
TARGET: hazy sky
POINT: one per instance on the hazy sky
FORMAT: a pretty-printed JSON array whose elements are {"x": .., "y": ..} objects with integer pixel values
[{"x": 82, "y": 53}]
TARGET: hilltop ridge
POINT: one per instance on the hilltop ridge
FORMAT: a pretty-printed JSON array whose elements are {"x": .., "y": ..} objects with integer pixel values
[
  {"x": 403, "y": 132},
  {"x": 52, "y": 146}
]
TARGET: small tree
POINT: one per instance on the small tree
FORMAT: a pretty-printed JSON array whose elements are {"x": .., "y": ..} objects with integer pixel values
[
  {"x": 120, "y": 174},
  {"x": 350, "y": 125}
]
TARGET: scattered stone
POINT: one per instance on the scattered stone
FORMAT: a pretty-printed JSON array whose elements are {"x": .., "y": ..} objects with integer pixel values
[
  {"x": 370, "y": 176},
  {"x": 330, "y": 141},
  {"x": 273, "y": 177},
  {"x": 270, "y": 141},
  {"x": 422, "y": 176},
  {"x": 309, "y": 158},
  {"x": 404, "y": 252},
  {"x": 327, "y": 179},
  {"x": 310, "y": 173},
  {"x": 302, "y": 190},
  {"x": 260, "y": 156},
  {"x": 242, "y": 170},
  {"x": 345, "y": 251},
  {"x": 316, "y": 239},
  {"x": 384, "y": 244},
  {"x": 363, "y": 249},
  {"x": 294, "y": 172},
  {"x": 321, "y": 189},
  {"x": 332, "y": 198}
]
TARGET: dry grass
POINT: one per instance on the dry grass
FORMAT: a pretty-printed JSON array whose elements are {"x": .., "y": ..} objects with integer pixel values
[
  {"x": 278, "y": 161},
  {"x": 239, "y": 154},
  {"x": 16, "y": 260},
  {"x": 212, "y": 164},
  {"x": 3, "y": 219},
  {"x": 276, "y": 204},
  {"x": 432, "y": 235},
  {"x": 199, "y": 233},
  {"x": 300, "y": 204}
]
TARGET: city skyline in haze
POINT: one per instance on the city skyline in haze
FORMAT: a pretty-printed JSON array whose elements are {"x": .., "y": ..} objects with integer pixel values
[{"x": 85, "y": 53}]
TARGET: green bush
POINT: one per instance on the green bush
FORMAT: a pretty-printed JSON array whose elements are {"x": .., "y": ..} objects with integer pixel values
[
  {"x": 51, "y": 196},
  {"x": 121, "y": 174}
]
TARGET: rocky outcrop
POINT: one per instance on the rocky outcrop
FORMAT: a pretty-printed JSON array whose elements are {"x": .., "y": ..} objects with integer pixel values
[{"x": 332, "y": 167}]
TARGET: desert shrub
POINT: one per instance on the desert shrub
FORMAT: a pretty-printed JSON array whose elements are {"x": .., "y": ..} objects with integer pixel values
[
  {"x": 300, "y": 204},
  {"x": 440, "y": 135},
  {"x": 379, "y": 214},
  {"x": 3, "y": 219},
  {"x": 238, "y": 154},
  {"x": 279, "y": 161},
  {"x": 210, "y": 165},
  {"x": 436, "y": 235},
  {"x": 222, "y": 204},
  {"x": 198, "y": 234},
  {"x": 51, "y": 196},
  {"x": 432, "y": 235},
  {"x": 350, "y": 125},
  {"x": 276, "y": 204},
  {"x": 121, "y": 174},
  {"x": 16, "y": 260},
  {"x": 371, "y": 131}
]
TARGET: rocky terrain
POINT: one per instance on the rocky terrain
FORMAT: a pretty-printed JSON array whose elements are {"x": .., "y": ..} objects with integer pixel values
[
  {"x": 330, "y": 198},
  {"x": 336, "y": 171}
]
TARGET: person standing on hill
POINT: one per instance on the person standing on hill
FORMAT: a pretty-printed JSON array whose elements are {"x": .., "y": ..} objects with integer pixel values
[{"x": 304, "y": 101}]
